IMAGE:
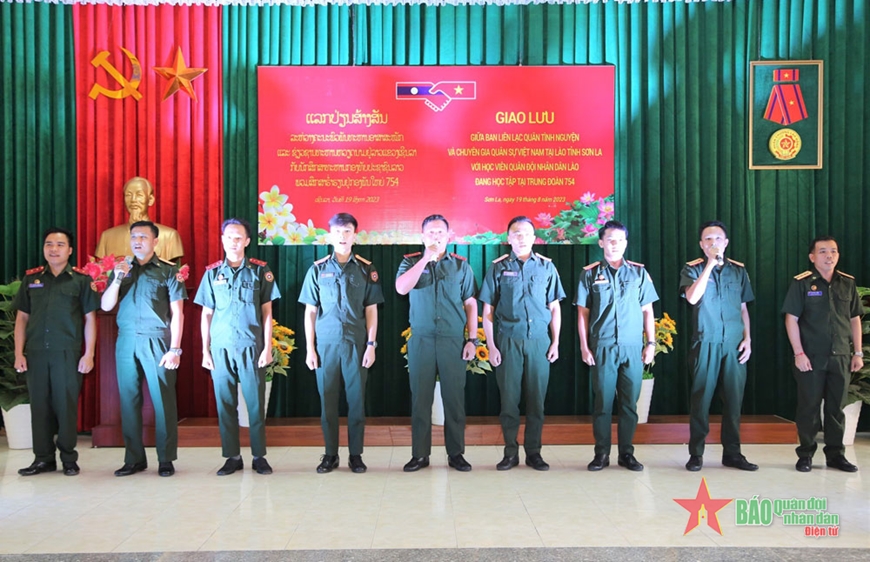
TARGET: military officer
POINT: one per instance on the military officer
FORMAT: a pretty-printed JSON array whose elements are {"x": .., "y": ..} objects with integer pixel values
[
  {"x": 150, "y": 319},
  {"x": 341, "y": 293},
  {"x": 442, "y": 292},
  {"x": 823, "y": 321},
  {"x": 718, "y": 290},
  {"x": 520, "y": 294},
  {"x": 55, "y": 305},
  {"x": 236, "y": 294},
  {"x": 614, "y": 306}
]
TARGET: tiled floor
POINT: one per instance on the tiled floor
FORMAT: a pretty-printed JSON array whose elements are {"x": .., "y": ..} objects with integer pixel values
[{"x": 298, "y": 509}]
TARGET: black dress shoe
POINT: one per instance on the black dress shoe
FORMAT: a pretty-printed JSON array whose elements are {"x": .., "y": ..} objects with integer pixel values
[
  {"x": 804, "y": 464},
  {"x": 628, "y": 461},
  {"x": 38, "y": 467},
  {"x": 129, "y": 469},
  {"x": 415, "y": 464},
  {"x": 356, "y": 464},
  {"x": 459, "y": 463},
  {"x": 508, "y": 463},
  {"x": 600, "y": 461},
  {"x": 840, "y": 463},
  {"x": 165, "y": 469},
  {"x": 70, "y": 468},
  {"x": 231, "y": 466},
  {"x": 261, "y": 465},
  {"x": 738, "y": 461},
  {"x": 695, "y": 463},
  {"x": 327, "y": 464},
  {"x": 535, "y": 461}
]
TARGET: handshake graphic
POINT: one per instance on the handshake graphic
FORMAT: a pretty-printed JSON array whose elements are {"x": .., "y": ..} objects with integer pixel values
[{"x": 436, "y": 95}]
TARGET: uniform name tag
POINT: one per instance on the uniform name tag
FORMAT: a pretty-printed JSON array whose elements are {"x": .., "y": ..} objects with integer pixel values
[
  {"x": 35, "y": 286},
  {"x": 330, "y": 274},
  {"x": 220, "y": 282},
  {"x": 815, "y": 293},
  {"x": 509, "y": 273},
  {"x": 601, "y": 282}
]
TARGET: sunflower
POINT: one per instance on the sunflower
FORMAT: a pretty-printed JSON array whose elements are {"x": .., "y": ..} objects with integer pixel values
[
  {"x": 482, "y": 353},
  {"x": 404, "y": 349},
  {"x": 407, "y": 333},
  {"x": 481, "y": 335}
]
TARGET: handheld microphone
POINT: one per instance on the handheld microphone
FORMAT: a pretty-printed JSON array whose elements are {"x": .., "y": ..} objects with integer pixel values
[
  {"x": 129, "y": 261},
  {"x": 720, "y": 260}
]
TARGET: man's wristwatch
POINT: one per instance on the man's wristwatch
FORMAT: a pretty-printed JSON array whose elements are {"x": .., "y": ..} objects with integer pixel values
[
  {"x": 651, "y": 343},
  {"x": 475, "y": 341},
  {"x": 858, "y": 353},
  {"x": 374, "y": 344},
  {"x": 175, "y": 350}
]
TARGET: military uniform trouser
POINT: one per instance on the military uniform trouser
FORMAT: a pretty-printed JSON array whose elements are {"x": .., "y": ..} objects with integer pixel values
[
  {"x": 342, "y": 360},
  {"x": 233, "y": 369},
  {"x": 829, "y": 380},
  {"x": 136, "y": 356},
  {"x": 618, "y": 370},
  {"x": 715, "y": 363},
  {"x": 429, "y": 356},
  {"x": 53, "y": 384},
  {"x": 524, "y": 369}
]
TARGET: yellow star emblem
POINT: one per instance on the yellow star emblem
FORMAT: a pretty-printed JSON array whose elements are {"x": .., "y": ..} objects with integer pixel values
[
  {"x": 457, "y": 90},
  {"x": 179, "y": 76}
]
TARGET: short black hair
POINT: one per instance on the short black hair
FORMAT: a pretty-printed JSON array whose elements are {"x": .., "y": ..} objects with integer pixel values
[
  {"x": 824, "y": 238},
  {"x": 432, "y": 218},
  {"x": 708, "y": 224},
  {"x": 146, "y": 224},
  {"x": 343, "y": 219},
  {"x": 520, "y": 218},
  {"x": 238, "y": 221},
  {"x": 58, "y": 230},
  {"x": 612, "y": 225}
]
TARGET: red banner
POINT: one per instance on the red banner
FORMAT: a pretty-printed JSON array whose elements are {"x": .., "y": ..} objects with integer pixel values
[{"x": 391, "y": 145}]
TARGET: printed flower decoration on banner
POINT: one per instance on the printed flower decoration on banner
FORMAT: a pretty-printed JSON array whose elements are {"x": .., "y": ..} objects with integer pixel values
[{"x": 276, "y": 222}]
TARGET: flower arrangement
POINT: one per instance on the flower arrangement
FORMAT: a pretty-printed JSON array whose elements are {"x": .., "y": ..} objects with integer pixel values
[
  {"x": 283, "y": 344},
  {"x": 99, "y": 271},
  {"x": 666, "y": 329},
  {"x": 479, "y": 365}
]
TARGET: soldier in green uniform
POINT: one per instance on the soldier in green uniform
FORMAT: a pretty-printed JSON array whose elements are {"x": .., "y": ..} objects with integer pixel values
[
  {"x": 823, "y": 321},
  {"x": 55, "y": 305},
  {"x": 520, "y": 294},
  {"x": 341, "y": 294},
  {"x": 236, "y": 295},
  {"x": 150, "y": 318},
  {"x": 718, "y": 290},
  {"x": 442, "y": 290},
  {"x": 614, "y": 307}
]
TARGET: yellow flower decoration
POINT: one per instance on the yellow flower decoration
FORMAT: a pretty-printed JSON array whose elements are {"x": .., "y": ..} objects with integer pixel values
[{"x": 482, "y": 353}]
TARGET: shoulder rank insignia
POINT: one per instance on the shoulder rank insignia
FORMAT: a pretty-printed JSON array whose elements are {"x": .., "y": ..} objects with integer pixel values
[
  {"x": 79, "y": 270},
  {"x": 695, "y": 262},
  {"x": 413, "y": 255},
  {"x": 362, "y": 259},
  {"x": 35, "y": 270},
  {"x": 845, "y": 274},
  {"x": 737, "y": 263},
  {"x": 591, "y": 266},
  {"x": 498, "y": 259},
  {"x": 321, "y": 260},
  {"x": 543, "y": 257},
  {"x": 457, "y": 256},
  {"x": 214, "y": 265},
  {"x": 254, "y": 261},
  {"x": 634, "y": 263},
  {"x": 803, "y": 275}
]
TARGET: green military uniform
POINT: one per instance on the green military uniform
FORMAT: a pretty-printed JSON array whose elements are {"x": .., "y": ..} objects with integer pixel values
[
  {"x": 614, "y": 298},
  {"x": 521, "y": 292},
  {"x": 717, "y": 330},
  {"x": 341, "y": 293},
  {"x": 824, "y": 311},
  {"x": 236, "y": 295},
  {"x": 438, "y": 323},
  {"x": 143, "y": 339},
  {"x": 53, "y": 345}
]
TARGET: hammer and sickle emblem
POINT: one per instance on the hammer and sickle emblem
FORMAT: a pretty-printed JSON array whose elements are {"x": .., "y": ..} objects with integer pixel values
[{"x": 128, "y": 87}]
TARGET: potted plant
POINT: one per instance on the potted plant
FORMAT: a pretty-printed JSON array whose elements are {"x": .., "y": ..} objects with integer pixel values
[
  {"x": 859, "y": 384},
  {"x": 14, "y": 400},
  {"x": 283, "y": 344},
  {"x": 666, "y": 329}
]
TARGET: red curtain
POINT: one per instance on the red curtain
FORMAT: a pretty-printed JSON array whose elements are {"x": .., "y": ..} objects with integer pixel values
[{"x": 176, "y": 144}]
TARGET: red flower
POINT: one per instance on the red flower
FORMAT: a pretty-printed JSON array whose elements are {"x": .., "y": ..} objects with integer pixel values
[
  {"x": 93, "y": 269},
  {"x": 183, "y": 272},
  {"x": 108, "y": 263}
]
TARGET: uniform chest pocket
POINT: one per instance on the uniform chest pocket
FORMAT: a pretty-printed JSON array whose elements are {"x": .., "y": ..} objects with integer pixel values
[
  {"x": 537, "y": 286},
  {"x": 249, "y": 290},
  {"x": 630, "y": 290},
  {"x": 222, "y": 296},
  {"x": 328, "y": 290},
  {"x": 450, "y": 288},
  {"x": 70, "y": 290},
  {"x": 602, "y": 294},
  {"x": 149, "y": 287},
  {"x": 842, "y": 303},
  {"x": 732, "y": 293}
]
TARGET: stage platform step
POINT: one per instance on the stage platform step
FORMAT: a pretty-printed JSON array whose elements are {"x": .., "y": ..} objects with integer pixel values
[{"x": 558, "y": 430}]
